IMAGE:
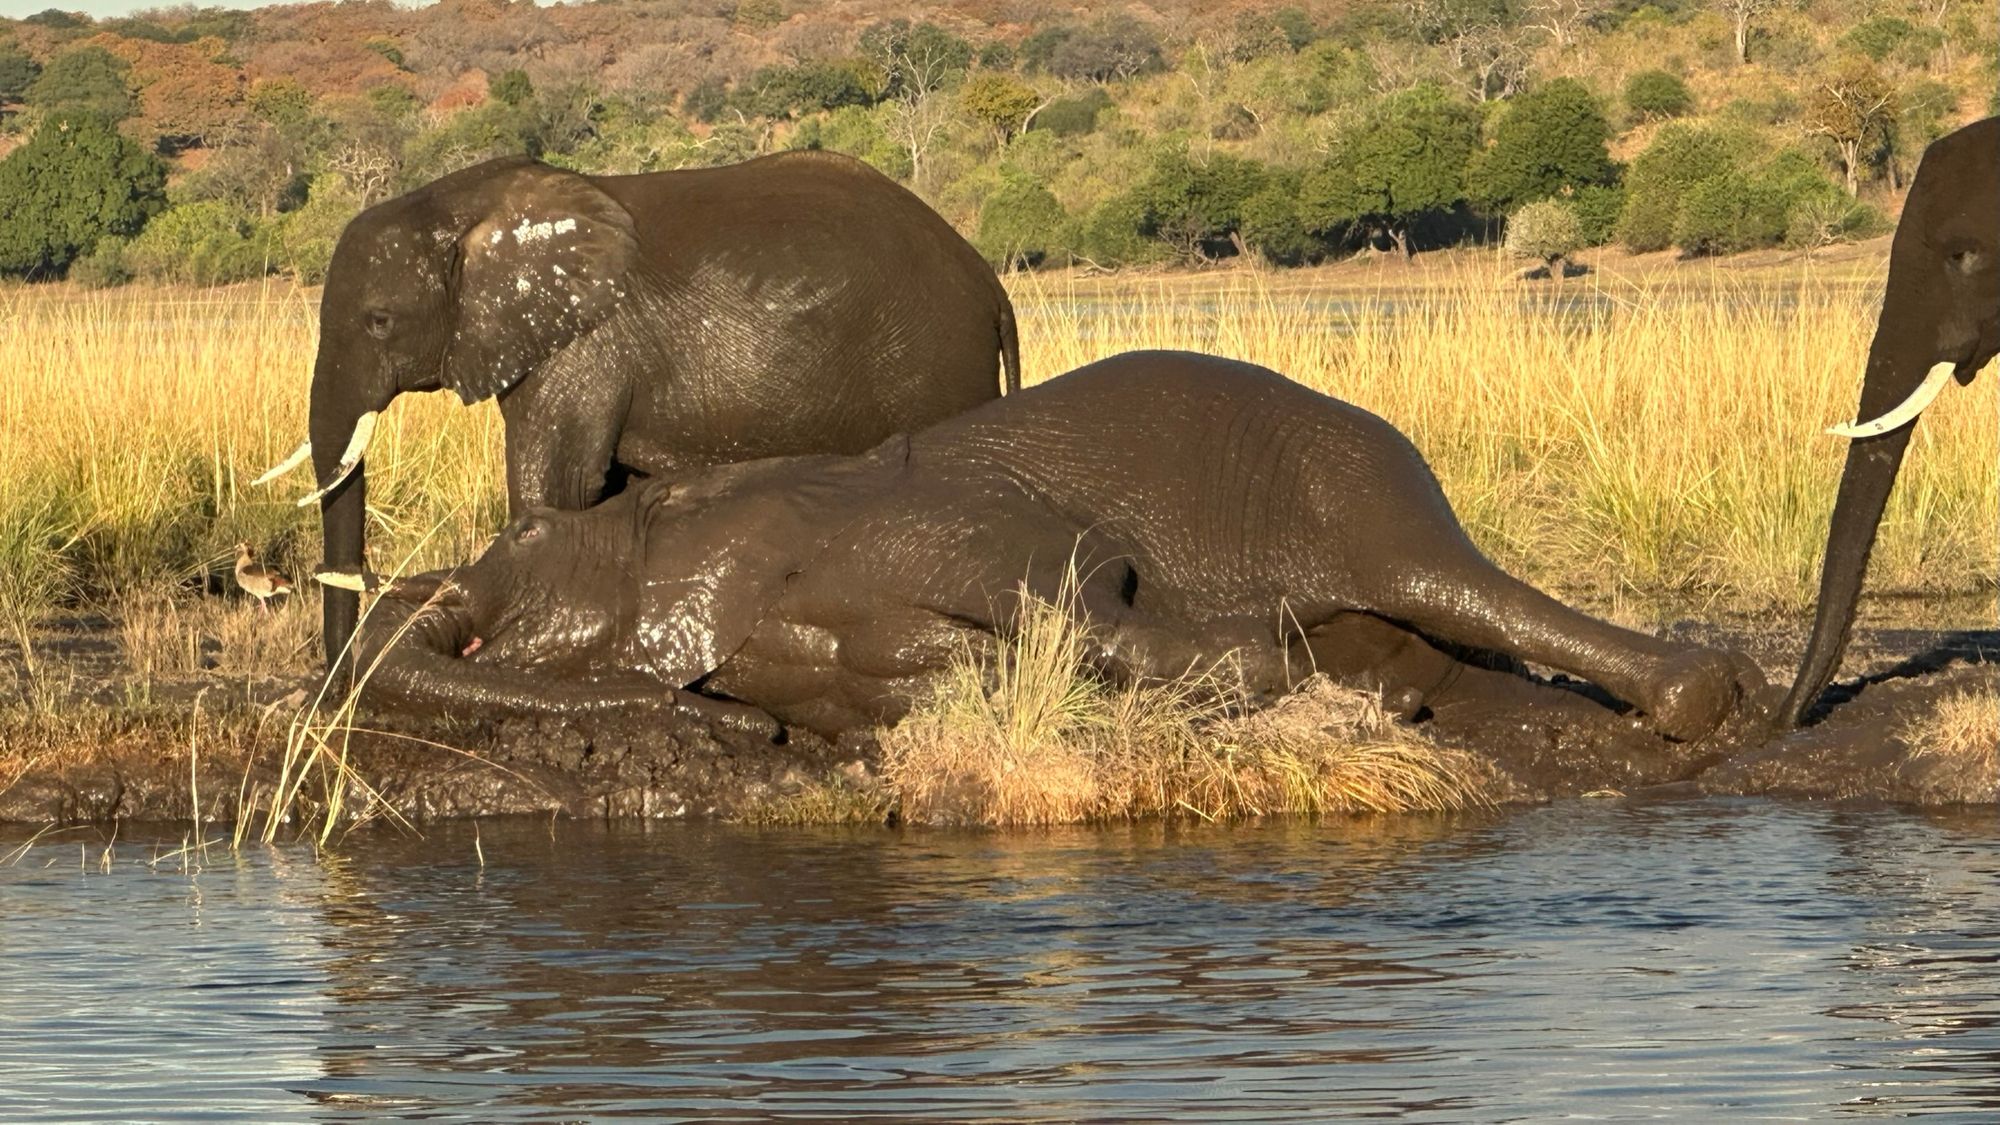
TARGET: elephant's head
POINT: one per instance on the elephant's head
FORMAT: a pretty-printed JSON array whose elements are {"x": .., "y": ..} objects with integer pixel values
[
  {"x": 1940, "y": 318},
  {"x": 470, "y": 283},
  {"x": 667, "y": 579}
]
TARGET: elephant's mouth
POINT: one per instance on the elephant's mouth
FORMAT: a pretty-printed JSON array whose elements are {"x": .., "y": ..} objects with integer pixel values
[{"x": 441, "y": 611}]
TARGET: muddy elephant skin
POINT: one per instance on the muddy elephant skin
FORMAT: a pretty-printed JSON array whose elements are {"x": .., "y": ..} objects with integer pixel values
[
  {"x": 1941, "y": 306},
  {"x": 648, "y": 324},
  {"x": 1211, "y": 507}
]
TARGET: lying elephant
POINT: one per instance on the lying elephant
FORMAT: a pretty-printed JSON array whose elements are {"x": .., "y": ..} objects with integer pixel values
[{"x": 1205, "y": 507}]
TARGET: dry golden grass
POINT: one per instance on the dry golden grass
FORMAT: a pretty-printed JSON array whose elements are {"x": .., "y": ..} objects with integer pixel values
[
  {"x": 1962, "y": 737},
  {"x": 1623, "y": 440},
  {"x": 1025, "y": 735}
]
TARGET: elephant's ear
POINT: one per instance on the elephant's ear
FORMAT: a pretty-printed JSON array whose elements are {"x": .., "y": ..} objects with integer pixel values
[
  {"x": 724, "y": 545},
  {"x": 545, "y": 263}
]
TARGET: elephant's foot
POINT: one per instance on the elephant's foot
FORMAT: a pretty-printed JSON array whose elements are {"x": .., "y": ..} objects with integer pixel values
[{"x": 1698, "y": 690}]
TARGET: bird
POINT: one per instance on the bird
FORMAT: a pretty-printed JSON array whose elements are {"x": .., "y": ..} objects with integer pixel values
[{"x": 258, "y": 580}]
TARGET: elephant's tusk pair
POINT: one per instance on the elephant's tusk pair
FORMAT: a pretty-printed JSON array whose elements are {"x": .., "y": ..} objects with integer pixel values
[
  {"x": 1926, "y": 392},
  {"x": 364, "y": 428},
  {"x": 297, "y": 458}
]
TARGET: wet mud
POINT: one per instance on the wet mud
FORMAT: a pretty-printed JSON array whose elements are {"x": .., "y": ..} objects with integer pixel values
[{"x": 97, "y": 755}]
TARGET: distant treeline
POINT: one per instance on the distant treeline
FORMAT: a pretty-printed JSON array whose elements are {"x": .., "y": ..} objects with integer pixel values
[{"x": 207, "y": 146}]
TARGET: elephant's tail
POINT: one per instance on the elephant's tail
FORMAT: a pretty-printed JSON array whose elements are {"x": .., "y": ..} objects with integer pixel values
[{"x": 1010, "y": 347}]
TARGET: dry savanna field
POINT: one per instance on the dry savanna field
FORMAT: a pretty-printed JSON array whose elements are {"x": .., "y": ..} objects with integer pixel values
[{"x": 1627, "y": 439}]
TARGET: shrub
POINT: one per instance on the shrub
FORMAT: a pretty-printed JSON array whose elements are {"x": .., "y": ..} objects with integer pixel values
[
  {"x": 1273, "y": 227},
  {"x": 1729, "y": 213},
  {"x": 1878, "y": 37},
  {"x": 104, "y": 267},
  {"x": 1679, "y": 158},
  {"x": 1022, "y": 224},
  {"x": 206, "y": 243},
  {"x": 1111, "y": 234},
  {"x": 1551, "y": 138},
  {"x": 74, "y": 182},
  {"x": 17, "y": 73},
  {"x": 1597, "y": 209},
  {"x": 1072, "y": 116},
  {"x": 302, "y": 241},
  {"x": 1547, "y": 231},
  {"x": 86, "y": 80},
  {"x": 1654, "y": 95}
]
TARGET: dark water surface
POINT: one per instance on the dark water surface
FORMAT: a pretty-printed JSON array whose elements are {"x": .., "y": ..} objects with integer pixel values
[{"x": 1687, "y": 961}]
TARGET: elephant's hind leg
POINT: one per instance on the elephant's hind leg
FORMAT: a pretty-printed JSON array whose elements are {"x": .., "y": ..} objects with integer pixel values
[{"x": 1685, "y": 690}]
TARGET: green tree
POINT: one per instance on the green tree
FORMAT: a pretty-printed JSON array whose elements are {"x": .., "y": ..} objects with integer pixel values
[
  {"x": 1547, "y": 231},
  {"x": 1550, "y": 140},
  {"x": 1402, "y": 161},
  {"x": 1655, "y": 95},
  {"x": 1877, "y": 37},
  {"x": 1597, "y": 209},
  {"x": 86, "y": 80},
  {"x": 1074, "y": 116},
  {"x": 17, "y": 73},
  {"x": 74, "y": 182},
  {"x": 1196, "y": 209},
  {"x": 998, "y": 101},
  {"x": 511, "y": 87},
  {"x": 1853, "y": 107},
  {"x": 206, "y": 243},
  {"x": 1273, "y": 227},
  {"x": 1729, "y": 213},
  {"x": 1022, "y": 223},
  {"x": 1680, "y": 157}
]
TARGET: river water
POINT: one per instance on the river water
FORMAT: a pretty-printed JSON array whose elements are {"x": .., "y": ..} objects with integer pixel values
[{"x": 1604, "y": 960}]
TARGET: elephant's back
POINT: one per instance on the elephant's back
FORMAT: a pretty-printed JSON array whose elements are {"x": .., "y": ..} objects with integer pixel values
[
  {"x": 786, "y": 206},
  {"x": 1230, "y": 476},
  {"x": 811, "y": 304}
]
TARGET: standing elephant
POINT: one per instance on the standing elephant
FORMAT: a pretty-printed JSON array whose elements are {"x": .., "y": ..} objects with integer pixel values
[
  {"x": 797, "y": 303},
  {"x": 1940, "y": 318},
  {"x": 1207, "y": 507}
]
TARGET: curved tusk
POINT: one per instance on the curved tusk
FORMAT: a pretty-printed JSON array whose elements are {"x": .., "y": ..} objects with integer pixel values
[
  {"x": 1909, "y": 408},
  {"x": 287, "y": 465},
  {"x": 364, "y": 428},
  {"x": 342, "y": 580}
]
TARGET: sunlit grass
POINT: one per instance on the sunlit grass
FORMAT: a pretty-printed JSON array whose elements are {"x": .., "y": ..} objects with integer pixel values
[
  {"x": 1961, "y": 740},
  {"x": 1026, "y": 735},
  {"x": 1630, "y": 440}
]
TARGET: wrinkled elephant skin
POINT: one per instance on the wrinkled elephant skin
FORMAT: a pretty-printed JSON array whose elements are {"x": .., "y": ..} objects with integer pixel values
[
  {"x": 1211, "y": 508},
  {"x": 1941, "y": 307},
  {"x": 648, "y": 324}
]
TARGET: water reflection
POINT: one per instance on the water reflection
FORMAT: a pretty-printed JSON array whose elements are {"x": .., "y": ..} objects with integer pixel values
[{"x": 1621, "y": 961}]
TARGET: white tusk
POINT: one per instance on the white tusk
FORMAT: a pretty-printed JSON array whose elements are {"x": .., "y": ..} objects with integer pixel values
[
  {"x": 364, "y": 428},
  {"x": 341, "y": 580},
  {"x": 287, "y": 465},
  {"x": 1911, "y": 407}
]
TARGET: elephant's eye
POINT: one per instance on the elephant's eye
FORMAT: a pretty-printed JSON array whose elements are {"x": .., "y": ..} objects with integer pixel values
[{"x": 379, "y": 324}]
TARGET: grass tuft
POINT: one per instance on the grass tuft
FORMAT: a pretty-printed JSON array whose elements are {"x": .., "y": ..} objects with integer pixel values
[
  {"x": 1027, "y": 735},
  {"x": 1961, "y": 740}
]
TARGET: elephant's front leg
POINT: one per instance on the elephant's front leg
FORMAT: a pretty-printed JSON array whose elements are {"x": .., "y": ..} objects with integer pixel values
[{"x": 562, "y": 428}]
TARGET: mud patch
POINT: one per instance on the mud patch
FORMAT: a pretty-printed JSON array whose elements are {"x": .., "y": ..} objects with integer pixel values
[{"x": 82, "y": 750}]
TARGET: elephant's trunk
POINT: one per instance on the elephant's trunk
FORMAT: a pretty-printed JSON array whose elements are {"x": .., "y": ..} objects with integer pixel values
[
  {"x": 1898, "y": 361},
  {"x": 339, "y": 417}
]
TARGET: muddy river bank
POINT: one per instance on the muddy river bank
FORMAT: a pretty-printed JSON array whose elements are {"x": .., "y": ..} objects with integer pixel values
[{"x": 99, "y": 747}]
